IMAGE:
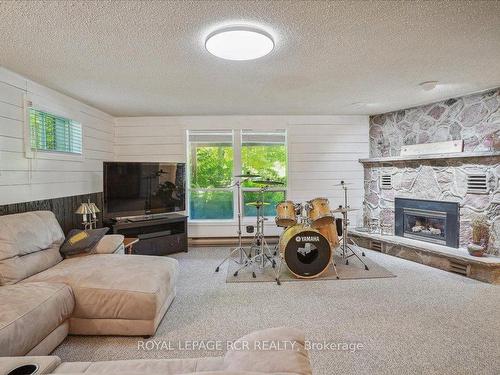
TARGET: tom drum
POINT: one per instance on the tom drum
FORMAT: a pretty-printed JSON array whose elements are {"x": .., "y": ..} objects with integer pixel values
[
  {"x": 285, "y": 214},
  {"x": 319, "y": 212}
]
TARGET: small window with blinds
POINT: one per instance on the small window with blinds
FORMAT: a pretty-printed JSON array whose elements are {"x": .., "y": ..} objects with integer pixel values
[{"x": 52, "y": 133}]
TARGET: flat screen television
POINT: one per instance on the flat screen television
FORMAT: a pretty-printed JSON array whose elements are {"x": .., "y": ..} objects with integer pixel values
[{"x": 137, "y": 189}]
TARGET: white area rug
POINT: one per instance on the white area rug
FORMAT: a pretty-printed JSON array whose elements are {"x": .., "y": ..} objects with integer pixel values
[
  {"x": 354, "y": 270},
  {"x": 424, "y": 321}
]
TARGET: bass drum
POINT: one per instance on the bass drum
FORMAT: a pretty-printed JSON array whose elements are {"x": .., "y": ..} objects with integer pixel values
[{"x": 306, "y": 252}]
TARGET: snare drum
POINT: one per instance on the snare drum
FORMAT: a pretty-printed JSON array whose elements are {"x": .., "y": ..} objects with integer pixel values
[
  {"x": 319, "y": 212},
  {"x": 285, "y": 214}
]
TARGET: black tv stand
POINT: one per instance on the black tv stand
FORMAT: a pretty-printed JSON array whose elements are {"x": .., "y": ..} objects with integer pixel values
[{"x": 157, "y": 235}]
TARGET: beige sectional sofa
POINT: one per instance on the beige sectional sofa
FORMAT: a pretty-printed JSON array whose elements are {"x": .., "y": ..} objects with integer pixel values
[
  {"x": 287, "y": 360},
  {"x": 43, "y": 297}
]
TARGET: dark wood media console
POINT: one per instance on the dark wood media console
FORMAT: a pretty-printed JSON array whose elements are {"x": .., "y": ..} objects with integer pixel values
[{"x": 157, "y": 236}]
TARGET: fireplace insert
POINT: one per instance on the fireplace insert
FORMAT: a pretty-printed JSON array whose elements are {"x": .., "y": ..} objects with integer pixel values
[{"x": 426, "y": 220}]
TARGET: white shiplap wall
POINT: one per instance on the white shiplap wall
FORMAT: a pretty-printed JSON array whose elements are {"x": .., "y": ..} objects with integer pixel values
[
  {"x": 322, "y": 151},
  {"x": 23, "y": 179}
]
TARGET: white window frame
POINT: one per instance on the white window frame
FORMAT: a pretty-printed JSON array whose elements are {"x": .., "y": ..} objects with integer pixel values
[
  {"x": 237, "y": 146},
  {"x": 33, "y": 102},
  {"x": 189, "y": 188},
  {"x": 277, "y": 188}
]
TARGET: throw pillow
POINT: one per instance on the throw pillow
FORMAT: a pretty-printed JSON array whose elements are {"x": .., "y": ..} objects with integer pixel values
[{"x": 81, "y": 241}]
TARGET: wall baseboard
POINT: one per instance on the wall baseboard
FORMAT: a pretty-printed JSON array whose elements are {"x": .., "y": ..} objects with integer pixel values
[{"x": 226, "y": 241}]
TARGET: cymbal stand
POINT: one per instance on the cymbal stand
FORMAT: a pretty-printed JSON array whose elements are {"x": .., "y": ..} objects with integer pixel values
[
  {"x": 345, "y": 246},
  {"x": 259, "y": 244},
  {"x": 244, "y": 257}
]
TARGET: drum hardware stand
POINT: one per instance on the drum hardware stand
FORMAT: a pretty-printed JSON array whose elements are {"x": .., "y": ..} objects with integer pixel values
[
  {"x": 244, "y": 257},
  {"x": 345, "y": 247},
  {"x": 259, "y": 243}
]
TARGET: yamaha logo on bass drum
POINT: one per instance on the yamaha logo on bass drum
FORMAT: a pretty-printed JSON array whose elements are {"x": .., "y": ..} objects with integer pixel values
[{"x": 307, "y": 239}]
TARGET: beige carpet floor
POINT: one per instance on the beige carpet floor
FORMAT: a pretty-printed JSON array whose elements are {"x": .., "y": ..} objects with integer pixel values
[{"x": 424, "y": 321}]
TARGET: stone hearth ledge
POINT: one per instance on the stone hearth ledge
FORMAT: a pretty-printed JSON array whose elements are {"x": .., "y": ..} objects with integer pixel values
[{"x": 486, "y": 269}]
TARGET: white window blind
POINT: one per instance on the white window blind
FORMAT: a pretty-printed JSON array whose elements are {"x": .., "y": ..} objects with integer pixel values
[
  {"x": 211, "y": 136},
  {"x": 54, "y": 133},
  {"x": 263, "y": 137}
]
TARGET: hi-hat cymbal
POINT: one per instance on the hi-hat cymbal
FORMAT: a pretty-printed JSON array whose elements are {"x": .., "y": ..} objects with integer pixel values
[
  {"x": 340, "y": 210},
  {"x": 343, "y": 184},
  {"x": 268, "y": 182},
  {"x": 257, "y": 204},
  {"x": 247, "y": 175}
]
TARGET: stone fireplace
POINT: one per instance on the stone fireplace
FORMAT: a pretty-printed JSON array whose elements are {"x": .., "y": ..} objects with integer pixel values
[
  {"x": 475, "y": 119},
  {"x": 426, "y": 220}
]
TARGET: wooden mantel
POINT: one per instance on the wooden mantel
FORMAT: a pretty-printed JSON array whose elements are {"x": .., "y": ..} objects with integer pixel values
[{"x": 458, "y": 155}]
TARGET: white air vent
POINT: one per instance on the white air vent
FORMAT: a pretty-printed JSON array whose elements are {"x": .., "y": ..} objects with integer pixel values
[
  {"x": 376, "y": 245},
  {"x": 462, "y": 269},
  {"x": 477, "y": 183},
  {"x": 386, "y": 181}
]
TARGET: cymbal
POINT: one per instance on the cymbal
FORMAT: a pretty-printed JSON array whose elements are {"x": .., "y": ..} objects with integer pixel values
[
  {"x": 268, "y": 182},
  {"x": 247, "y": 175},
  {"x": 337, "y": 210},
  {"x": 344, "y": 184},
  {"x": 257, "y": 204}
]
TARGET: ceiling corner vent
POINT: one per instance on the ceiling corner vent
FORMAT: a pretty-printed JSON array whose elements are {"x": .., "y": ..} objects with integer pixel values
[
  {"x": 386, "y": 181},
  {"x": 477, "y": 183}
]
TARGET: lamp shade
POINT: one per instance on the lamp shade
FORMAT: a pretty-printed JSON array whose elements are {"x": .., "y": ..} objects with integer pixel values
[
  {"x": 83, "y": 209},
  {"x": 94, "y": 209}
]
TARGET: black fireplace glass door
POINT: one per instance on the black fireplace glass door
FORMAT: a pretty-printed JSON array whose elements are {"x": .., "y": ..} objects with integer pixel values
[{"x": 424, "y": 224}]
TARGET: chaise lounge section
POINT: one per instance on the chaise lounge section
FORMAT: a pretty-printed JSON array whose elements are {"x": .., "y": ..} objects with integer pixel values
[{"x": 47, "y": 297}]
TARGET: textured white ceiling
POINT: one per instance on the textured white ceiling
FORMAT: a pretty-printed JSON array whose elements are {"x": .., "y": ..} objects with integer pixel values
[{"x": 148, "y": 58}]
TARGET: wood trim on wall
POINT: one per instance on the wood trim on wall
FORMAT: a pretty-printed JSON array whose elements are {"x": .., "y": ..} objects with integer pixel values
[{"x": 64, "y": 209}]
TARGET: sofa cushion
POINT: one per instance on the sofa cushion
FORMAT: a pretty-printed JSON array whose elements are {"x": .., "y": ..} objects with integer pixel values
[
  {"x": 112, "y": 286},
  {"x": 144, "y": 366},
  {"x": 222, "y": 372},
  {"x": 29, "y": 243},
  {"x": 110, "y": 244},
  {"x": 29, "y": 313},
  {"x": 284, "y": 352}
]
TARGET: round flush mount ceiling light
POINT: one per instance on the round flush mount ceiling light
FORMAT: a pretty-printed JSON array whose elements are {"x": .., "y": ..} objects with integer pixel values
[
  {"x": 428, "y": 85},
  {"x": 239, "y": 43}
]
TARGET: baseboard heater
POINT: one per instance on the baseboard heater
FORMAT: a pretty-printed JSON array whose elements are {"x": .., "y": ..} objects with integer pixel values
[{"x": 226, "y": 241}]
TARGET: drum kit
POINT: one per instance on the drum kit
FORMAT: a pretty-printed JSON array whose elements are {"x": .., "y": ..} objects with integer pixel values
[{"x": 309, "y": 239}]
